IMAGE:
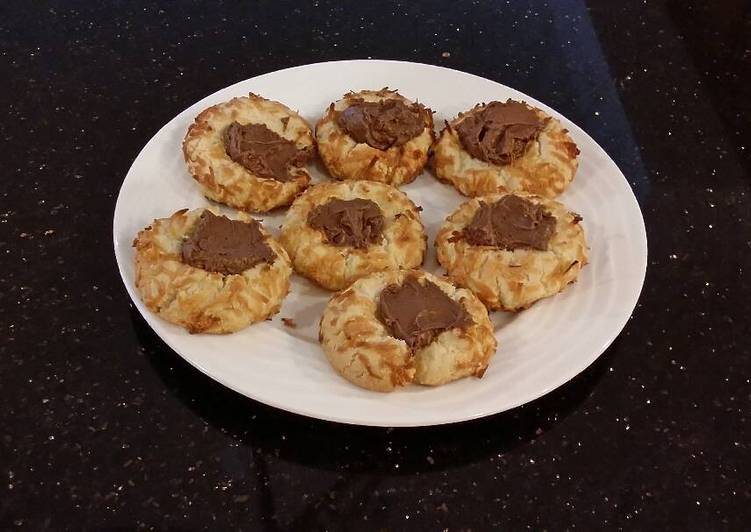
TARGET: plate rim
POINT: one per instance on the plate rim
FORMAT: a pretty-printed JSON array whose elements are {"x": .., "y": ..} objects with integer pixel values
[{"x": 153, "y": 321}]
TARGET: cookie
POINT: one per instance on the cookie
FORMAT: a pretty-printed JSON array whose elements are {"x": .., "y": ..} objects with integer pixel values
[
  {"x": 249, "y": 153},
  {"x": 505, "y": 147},
  {"x": 208, "y": 273},
  {"x": 337, "y": 232},
  {"x": 399, "y": 327},
  {"x": 512, "y": 249},
  {"x": 375, "y": 135}
]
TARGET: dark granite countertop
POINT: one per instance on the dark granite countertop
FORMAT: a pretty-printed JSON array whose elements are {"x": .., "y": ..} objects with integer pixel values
[{"x": 103, "y": 427}]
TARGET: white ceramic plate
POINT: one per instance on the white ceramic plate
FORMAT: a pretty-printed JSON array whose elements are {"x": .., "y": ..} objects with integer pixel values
[{"x": 539, "y": 349}]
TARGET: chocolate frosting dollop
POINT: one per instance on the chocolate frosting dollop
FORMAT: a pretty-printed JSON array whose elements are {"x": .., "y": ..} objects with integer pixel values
[
  {"x": 500, "y": 132},
  {"x": 382, "y": 124},
  {"x": 218, "y": 244},
  {"x": 511, "y": 223},
  {"x": 417, "y": 312},
  {"x": 357, "y": 222},
  {"x": 262, "y": 151}
]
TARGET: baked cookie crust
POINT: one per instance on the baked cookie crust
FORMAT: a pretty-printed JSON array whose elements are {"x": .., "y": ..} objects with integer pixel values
[
  {"x": 335, "y": 267},
  {"x": 347, "y": 159},
  {"x": 512, "y": 280},
  {"x": 222, "y": 179},
  {"x": 547, "y": 167},
  {"x": 200, "y": 300},
  {"x": 359, "y": 346}
]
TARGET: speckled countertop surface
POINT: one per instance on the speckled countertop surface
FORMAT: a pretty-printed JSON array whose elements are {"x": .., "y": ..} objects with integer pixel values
[{"x": 103, "y": 427}]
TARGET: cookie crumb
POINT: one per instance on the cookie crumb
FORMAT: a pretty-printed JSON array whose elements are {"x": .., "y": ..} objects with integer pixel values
[{"x": 446, "y": 54}]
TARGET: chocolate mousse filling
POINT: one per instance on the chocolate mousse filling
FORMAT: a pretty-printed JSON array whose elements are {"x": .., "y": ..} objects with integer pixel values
[
  {"x": 382, "y": 124},
  {"x": 262, "y": 151},
  {"x": 499, "y": 133},
  {"x": 511, "y": 223},
  {"x": 417, "y": 312},
  {"x": 357, "y": 222},
  {"x": 218, "y": 244}
]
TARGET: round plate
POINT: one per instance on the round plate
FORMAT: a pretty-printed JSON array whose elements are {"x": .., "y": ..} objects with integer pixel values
[{"x": 539, "y": 349}]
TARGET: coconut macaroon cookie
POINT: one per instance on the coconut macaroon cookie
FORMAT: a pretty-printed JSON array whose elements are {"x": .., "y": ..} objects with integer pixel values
[
  {"x": 375, "y": 135},
  {"x": 512, "y": 249},
  {"x": 337, "y": 232},
  {"x": 397, "y": 327},
  {"x": 506, "y": 147},
  {"x": 249, "y": 153},
  {"x": 208, "y": 273}
]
